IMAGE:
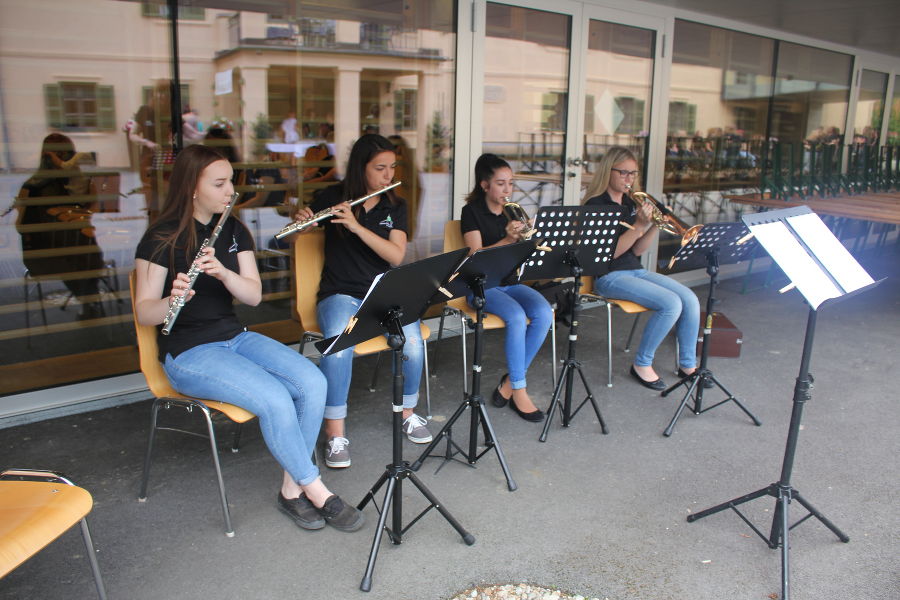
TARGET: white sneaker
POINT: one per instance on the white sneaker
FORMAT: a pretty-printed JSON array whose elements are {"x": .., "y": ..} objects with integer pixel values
[
  {"x": 337, "y": 453},
  {"x": 415, "y": 429}
]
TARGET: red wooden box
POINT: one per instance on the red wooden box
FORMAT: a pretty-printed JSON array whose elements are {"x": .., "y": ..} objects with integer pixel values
[{"x": 725, "y": 340}]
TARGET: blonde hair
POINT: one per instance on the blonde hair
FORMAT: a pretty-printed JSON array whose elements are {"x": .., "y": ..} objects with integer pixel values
[{"x": 600, "y": 183}]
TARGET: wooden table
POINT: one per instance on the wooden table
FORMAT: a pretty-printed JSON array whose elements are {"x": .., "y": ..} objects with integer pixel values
[{"x": 883, "y": 207}]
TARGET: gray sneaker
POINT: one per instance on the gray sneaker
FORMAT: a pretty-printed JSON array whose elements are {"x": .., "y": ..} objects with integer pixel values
[
  {"x": 337, "y": 453},
  {"x": 340, "y": 515},
  {"x": 415, "y": 429}
]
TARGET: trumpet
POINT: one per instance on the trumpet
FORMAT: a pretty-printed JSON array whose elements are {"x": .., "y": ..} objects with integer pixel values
[
  {"x": 665, "y": 219},
  {"x": 515, "y": 212},
  {"x": 327, "y": 213}
]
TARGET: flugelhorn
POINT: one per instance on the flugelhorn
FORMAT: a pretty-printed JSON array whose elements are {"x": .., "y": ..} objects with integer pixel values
[
  {"x": 327, "y": 213},
  {"x": 665, "y": 219},
  {"x": 515, "y": 212}
]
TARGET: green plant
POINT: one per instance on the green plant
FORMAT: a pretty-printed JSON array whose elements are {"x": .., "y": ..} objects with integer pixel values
[
  {"x": 262, "y": 133},
  {"x": 436, "y": 142}
]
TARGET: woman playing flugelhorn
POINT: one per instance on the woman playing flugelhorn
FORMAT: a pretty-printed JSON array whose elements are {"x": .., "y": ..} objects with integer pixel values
[
  {"x": 526, "y": 313},
  {"x": 671, "y": 302}
]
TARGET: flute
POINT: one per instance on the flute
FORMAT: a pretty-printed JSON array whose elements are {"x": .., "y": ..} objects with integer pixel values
[
  {"x": 195, "y": 271},
  {"x": 327, "y": 213}
]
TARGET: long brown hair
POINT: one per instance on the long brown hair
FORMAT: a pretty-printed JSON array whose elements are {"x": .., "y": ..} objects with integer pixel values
[
  {"x": 600, "y": 182},
  {"x": 179, "y": 207}
]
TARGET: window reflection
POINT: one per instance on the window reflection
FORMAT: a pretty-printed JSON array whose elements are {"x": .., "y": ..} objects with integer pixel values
[{"x": 282, "y": 95}]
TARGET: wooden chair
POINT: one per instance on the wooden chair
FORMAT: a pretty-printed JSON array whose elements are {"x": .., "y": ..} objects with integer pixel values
[
  {"x": 167, "y": 397},
  {"x": 36, "y": 507},
  {"x": 453, "y": 239},
  {"x": 308, "y": 259}
]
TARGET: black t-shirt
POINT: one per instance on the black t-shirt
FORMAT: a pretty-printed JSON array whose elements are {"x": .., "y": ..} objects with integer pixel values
[
  {"x": 209, "y": 316},
  {"x": 628, "y": 213},
  {"x": 350, "y": 265},
  {"x": 476, "y": 216}
]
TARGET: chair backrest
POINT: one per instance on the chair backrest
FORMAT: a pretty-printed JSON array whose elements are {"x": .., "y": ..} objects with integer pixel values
[
  {"x": 148, "y": 350},
  {"x": 453, "y": 237},
  {"x": 309, "y": 258}
]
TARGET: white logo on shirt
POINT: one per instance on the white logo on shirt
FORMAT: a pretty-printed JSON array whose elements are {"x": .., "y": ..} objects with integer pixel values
[{"x": 233, "y": 247}]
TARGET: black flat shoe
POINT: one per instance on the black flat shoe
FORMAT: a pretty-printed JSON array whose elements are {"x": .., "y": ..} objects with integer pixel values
[
  {"x": 535, "y": 416},
  {"x": 658, "y": 385},
  {"x": 707, "y": 384},
  {"x": 498, "y": 399}
]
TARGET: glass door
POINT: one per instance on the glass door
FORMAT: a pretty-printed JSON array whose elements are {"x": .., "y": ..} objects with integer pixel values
[{"x": 552, "y": 90}]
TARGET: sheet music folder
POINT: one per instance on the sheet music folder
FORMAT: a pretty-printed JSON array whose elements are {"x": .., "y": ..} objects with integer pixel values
[
  {"x": 407, "y": 287},
  {"x": 809, "y": 254}
]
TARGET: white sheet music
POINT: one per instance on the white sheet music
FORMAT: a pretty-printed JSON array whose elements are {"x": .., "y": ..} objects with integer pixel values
[
  {"x": 793, "y": 259},
  {"x": 830, "y": 251}
]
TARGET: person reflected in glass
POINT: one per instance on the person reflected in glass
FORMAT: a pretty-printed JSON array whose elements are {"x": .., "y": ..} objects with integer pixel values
[
  {"x": 208, "y": 353},
  {"x": 362, "y": 242},
  {"x": 525, "y": 312},
  {"x": 671, "y": 303},
  {"x": 59, "y": 238}
]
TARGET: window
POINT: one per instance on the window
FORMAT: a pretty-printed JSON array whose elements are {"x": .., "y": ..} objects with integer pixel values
[
  {"x": 161, "y": 11},
  {"x": 632, "y": 115},
  {"x": 745, "y": 118},
  {"x": 553, "y": 111},
  {"x": 405, "y": 109},
  {"x": 682, "y": 118},
  {"x": 589, "y": 114},
  {"x": 73, "y": 106}
]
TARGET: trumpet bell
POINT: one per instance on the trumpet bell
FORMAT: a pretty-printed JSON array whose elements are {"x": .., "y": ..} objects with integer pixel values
[
  {"x": 691, "y": 234},
  {"x": 515, "y": 212}
]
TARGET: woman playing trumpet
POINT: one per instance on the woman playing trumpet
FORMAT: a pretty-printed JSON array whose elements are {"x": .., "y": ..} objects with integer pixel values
[
  {"x": 671, "y": 302},
  {"x": 526, "y": 313},
  {"x": 362, "y": 242}
]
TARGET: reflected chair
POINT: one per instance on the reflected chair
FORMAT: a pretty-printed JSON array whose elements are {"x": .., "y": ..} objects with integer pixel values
[
  {"x": 166, "y": 397},
  {"x": 309, "y": 258},
  {"x": 36, "y": 507},
  {"x": 459, "y": 307}
]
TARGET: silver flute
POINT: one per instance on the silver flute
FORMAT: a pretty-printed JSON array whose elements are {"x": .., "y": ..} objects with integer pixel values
[
  {"x": 195, "y": 271},
  {"x": 327, "y": 213}
]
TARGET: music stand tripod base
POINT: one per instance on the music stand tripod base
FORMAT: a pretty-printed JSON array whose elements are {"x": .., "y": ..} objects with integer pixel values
[{"x": 715, "y": 243}]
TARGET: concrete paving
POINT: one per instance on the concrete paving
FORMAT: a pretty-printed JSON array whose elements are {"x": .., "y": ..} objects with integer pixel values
[{"x": 600, "y": 515}]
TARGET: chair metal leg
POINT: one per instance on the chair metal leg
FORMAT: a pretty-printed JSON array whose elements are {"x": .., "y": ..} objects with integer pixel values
[
  {"x": 553, "y": 346},
  {"x": 634, "y": 325},
  {"x": 236, "y": 441},
  {"x": 375, "y": 373},
  {"x": 427, "y": 382},
  {"x": 229, "y": 530},
  {"x": 92, "y": 557},
  {"x": 145, "y": 478},
  {"x": 608, "y": 345}
]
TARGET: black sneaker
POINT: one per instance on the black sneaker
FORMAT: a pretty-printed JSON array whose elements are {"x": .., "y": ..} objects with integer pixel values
[
  {"x": 302, "y": 511},
  {"x": 341, "y": 516}
]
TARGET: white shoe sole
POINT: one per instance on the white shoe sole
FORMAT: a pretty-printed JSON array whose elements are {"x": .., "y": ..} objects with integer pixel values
[
  {"x": 337, "y": 464},
  {"x": 415, "y": 440}
]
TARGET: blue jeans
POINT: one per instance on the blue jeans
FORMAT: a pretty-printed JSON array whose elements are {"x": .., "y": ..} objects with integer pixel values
[
  {"x": 517, "y": 305},
  {"x": 672, "y": 304},
  {"x": 262, "y": 375},
  {"x": 333, "y": 313}
]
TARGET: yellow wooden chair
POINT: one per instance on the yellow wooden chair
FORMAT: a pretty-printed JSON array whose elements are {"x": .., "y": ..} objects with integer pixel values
[
  {"x": 167, "y": 397},
  {"x": 453, "y": 240},
  {"x": 308, "y": 259},
  {"x": 36, "y": 507},
  {"x": 627, "y": 306}
]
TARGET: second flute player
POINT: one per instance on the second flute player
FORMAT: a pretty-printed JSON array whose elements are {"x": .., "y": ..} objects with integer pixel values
[{"x": 210, "y": 355}]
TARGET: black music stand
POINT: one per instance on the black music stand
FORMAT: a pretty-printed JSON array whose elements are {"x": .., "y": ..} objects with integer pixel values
[
  {"x": 714, "y": 244},
  {"x": 397, "y": 298},
  {"x": 575, "y": 241},
  {"x": 825, "y": 273},
  {"x": 485, "y": 269}
]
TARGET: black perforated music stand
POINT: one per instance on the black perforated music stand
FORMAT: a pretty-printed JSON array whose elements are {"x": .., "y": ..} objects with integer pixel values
[
  {"x": 574, "y": 241},
  {"x": 397, "y": 298},
  {"x": 485, "y": 269},
  {"x": 715, "y": 243},
  {"x": 825, "y": 273}
]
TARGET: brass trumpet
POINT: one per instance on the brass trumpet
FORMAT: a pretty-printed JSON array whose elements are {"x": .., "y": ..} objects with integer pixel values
[
  {"x": 665, "y": 219},
  {"x": 515, "y": 212}
]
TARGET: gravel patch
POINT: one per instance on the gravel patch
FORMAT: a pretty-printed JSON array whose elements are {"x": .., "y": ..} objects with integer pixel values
[{"x": 521, "y": 591}]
